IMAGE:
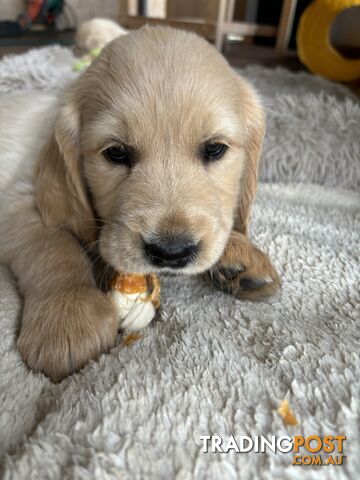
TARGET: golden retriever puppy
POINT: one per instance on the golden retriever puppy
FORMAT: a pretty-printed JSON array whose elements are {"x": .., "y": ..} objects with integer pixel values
[{"x": 152, "y": 157}]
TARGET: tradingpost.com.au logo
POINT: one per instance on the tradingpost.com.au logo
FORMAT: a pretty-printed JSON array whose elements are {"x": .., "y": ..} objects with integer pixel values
[{"x": 310, "y": 450}]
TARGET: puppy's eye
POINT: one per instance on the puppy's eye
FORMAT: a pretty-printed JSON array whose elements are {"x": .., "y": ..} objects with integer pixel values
[
  {"x": 214, "y": 151},
  {"x": 119, "y": 154}
]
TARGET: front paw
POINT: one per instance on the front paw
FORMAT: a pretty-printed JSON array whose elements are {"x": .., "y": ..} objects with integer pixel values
[
  {"x": 244, "y": 270},
  {"x": 61, "y": 332}
]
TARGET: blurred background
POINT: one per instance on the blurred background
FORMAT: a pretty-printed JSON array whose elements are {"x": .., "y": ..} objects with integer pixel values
[{"x": 246, "y": 31}]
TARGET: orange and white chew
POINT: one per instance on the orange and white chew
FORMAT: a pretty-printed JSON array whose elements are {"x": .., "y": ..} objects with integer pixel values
[{"x": 136, "y": 297}]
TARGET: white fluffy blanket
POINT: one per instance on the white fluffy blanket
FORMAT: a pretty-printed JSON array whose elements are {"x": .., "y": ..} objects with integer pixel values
[{"x": 213, "y": 364}]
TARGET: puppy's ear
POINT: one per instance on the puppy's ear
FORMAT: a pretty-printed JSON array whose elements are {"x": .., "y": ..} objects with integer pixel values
[
  {"x": 252, "y": 112},
  {"x": 60, "y": 191}
]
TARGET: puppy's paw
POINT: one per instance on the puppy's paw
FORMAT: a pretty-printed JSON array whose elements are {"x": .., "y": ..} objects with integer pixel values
[
  {"x": 60, "y": 333},
  {"x": 244, "y": 270}
]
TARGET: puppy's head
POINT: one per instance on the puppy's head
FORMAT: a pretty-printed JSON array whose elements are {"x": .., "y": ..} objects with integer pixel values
[{"x": 160, "y": 138}]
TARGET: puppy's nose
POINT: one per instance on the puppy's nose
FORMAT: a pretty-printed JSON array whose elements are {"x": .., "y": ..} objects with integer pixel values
[{"x": 174, "y": 252}]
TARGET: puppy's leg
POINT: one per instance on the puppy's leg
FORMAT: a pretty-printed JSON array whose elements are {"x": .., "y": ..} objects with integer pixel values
[
  {"x": 244, "y": 270},
  {"x": 66, "y": 320}
]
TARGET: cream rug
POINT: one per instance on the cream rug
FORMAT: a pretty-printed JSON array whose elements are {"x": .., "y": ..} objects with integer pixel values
[{"x": 214, "y": 365}]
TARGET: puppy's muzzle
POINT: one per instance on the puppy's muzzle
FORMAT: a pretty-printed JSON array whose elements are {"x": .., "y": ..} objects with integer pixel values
[{"x": 171, "y": 251}]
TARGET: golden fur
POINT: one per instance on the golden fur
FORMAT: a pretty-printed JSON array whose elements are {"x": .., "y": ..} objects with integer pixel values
[{"x": 163, "y": 92}]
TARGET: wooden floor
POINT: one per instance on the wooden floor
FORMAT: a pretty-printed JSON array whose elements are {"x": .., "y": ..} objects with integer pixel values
[
  {"x": 239, "y": 55},
  {"x": 27, "y": 41}
]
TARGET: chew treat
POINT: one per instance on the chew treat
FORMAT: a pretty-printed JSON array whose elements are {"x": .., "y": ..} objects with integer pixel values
[
  {"x": 287, "y": 414},
  {"x": 136, "y": 297},
  {"x": 131, "y": 338}
]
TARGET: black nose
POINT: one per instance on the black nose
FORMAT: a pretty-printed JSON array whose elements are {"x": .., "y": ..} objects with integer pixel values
[{"x": 174, "y": 252}]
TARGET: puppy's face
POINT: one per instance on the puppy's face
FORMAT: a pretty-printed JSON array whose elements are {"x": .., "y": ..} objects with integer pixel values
[{"x": 162, "y": 147}]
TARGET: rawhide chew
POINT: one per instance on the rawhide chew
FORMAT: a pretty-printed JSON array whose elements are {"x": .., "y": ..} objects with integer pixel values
[{"x": 136, "y": 297}]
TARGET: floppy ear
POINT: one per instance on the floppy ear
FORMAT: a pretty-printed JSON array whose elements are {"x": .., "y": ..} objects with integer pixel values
[
  {"x": 253, "y": 114},
  {"x": 60, "y": 191}
]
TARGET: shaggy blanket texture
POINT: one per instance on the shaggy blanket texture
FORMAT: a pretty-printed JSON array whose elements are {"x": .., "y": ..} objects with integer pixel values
[{"x": 213, "y": 364}]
